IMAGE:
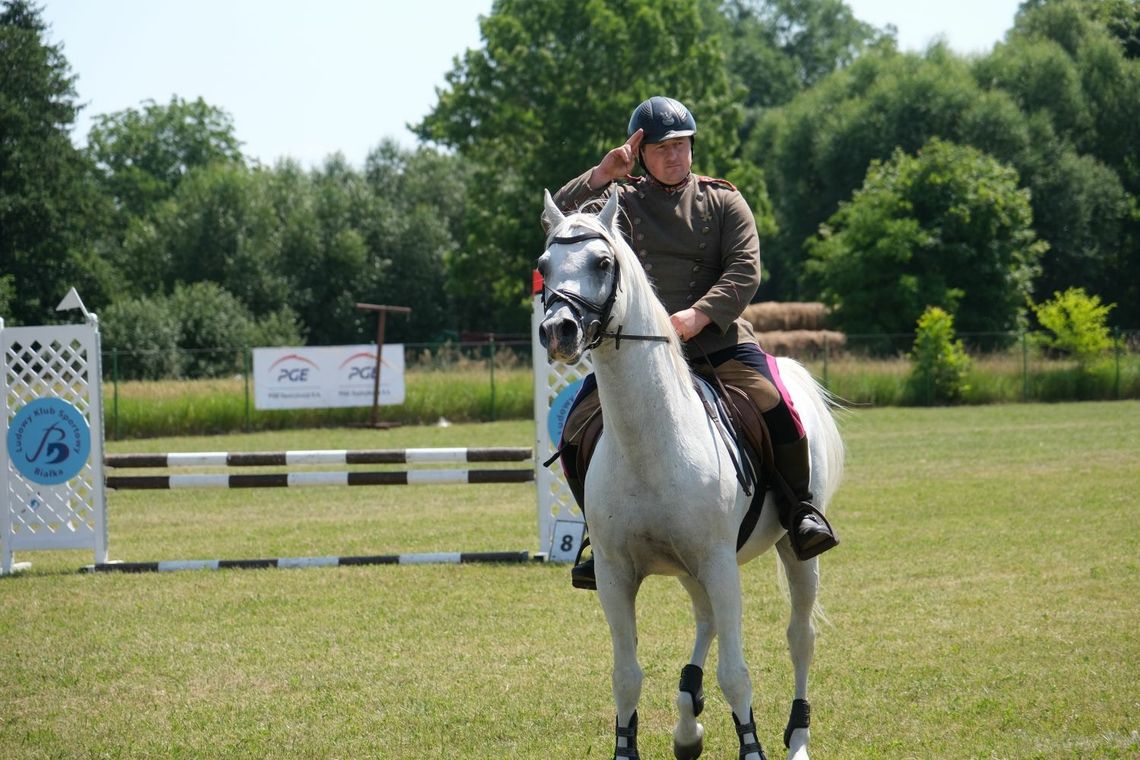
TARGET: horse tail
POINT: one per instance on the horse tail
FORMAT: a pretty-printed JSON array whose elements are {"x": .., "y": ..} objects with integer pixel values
[{"x": 814, "y": 403}]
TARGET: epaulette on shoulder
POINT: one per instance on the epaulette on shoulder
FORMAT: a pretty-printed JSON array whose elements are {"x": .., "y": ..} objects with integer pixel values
[{"x": 717, "y": 182}]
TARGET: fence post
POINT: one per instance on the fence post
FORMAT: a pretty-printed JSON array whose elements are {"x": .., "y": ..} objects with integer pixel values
[
  {"x": 1024, "y": 366},
  {"x": 1118, "y": 345},
  {"x": 247, "y": 371},
  {"x": 115, "y": 392},
  {"x": 826, "y": 353},
  {"x": 492, "y": 340}
]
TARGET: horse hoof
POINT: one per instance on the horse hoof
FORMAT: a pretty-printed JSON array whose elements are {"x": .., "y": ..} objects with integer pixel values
[{"x": 691, "y": 752}]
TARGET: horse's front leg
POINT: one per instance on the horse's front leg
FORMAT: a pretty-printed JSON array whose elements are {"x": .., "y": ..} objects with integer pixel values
[
  {"x": 617, "y": 592},
  {"x": 721, "y": 579},
  {"x": 803, "y": 586},
  {"x": 688, "y": 734}
]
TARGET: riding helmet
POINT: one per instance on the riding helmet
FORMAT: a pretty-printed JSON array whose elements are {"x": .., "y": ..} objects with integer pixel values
[{"x": 662, "y": 119}]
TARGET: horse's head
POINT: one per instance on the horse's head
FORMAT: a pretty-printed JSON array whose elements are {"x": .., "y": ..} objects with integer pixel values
[{"x": 579, "y": 272}]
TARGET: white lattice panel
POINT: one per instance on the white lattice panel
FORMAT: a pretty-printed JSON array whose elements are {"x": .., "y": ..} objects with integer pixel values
[
  {"x": 59, "y": 362},
  {"x": 560, "y": 523}
]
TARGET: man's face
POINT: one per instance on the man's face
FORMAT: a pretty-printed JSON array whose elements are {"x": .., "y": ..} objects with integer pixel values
[{"x": 669, "y": 161}]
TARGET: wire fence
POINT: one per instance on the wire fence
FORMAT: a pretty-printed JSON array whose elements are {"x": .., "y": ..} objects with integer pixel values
[{"x": 493, "y": 375}]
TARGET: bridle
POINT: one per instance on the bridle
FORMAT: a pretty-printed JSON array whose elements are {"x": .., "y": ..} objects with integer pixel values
[{"x": 582, "y": 306}]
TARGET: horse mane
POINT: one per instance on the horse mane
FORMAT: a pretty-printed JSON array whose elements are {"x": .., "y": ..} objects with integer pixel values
[{"x": 640, "y": 291}]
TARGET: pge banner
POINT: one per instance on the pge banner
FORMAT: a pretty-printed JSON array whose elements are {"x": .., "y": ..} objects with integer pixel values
[{"x": 326, "y": 376}]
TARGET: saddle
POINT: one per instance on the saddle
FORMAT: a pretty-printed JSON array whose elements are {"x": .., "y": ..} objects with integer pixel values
[{"x": 751, "y": 439}]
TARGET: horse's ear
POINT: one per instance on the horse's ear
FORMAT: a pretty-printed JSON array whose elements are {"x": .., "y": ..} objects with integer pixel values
[
  {"x": 552, "y": 216},
  {"x": 608, "y": 217}
]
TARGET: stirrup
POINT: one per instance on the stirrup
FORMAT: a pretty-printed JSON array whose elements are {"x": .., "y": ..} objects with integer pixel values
[
  {"x": 582, "y": 574},
  {"x": 804, "y": 553}
]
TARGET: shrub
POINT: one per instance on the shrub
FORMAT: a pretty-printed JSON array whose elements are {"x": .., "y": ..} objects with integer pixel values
[
  {"x": 214, "y": 328},
  {"x": 1076, "y": 325},
  {"x": 143, "y": 334},
  {"x": 939, "y": 361}
]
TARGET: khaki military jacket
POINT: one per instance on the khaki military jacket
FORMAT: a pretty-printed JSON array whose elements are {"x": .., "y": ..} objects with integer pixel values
[{"x": 698, "y": 244}]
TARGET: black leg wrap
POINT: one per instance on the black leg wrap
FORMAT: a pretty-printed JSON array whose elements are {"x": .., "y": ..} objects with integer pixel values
[
  {"x": 748, "y": 728},
  {"x": 628, "y": 752},
  {"x": 800, "y": 718},
  {"x": 691, "y": 679}
]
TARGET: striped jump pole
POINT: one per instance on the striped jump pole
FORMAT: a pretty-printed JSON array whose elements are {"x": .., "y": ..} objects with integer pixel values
[
  {"x": 300, "y": 479},
  {"x": 423, "y": 558},
  {"x": 319, "y": 457},
  {"x": 174, "y": 461}
]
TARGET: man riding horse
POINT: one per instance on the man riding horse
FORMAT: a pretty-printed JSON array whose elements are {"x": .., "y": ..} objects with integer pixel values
[{"x": 696, "y": 238}]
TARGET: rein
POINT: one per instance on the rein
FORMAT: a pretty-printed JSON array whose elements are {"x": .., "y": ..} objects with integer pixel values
[{"x": 576, "y": 302}]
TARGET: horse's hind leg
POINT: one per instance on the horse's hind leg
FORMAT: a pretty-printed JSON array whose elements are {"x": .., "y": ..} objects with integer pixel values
[
  {"x": 803, "y": 585},
  {"x": 688, "y": 734},
  {"x": 617, "y": 595}
]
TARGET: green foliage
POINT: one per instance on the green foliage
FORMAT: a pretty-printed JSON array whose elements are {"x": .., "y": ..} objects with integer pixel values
[
  {"x": 200, "y": 330},
  {"x": 1076, "y": 324},
  {"x": 7, "y": 293},
  {"x": 939, "y": 360},
  {"x": 815, "y": 151},
  {"x": 1068, "y": 65},
  {"x": 1059, "y": 101},
  {"x": 50, "y": 210},
  {"x": 214, "y": 328},
  {"x": 315, "y": 243},
  {"x": 144, "y": 155},
  {"x": 143, "y": 333},
  {"x": 946, "y": 227},
  {"x": 778, "y": 48}
]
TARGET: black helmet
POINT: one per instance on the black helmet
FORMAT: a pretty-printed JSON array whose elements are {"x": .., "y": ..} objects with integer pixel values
[{"x": 662, "y": 119}]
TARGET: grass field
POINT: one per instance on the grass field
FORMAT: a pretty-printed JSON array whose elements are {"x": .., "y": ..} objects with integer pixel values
[{"x": 984, "y": 603}]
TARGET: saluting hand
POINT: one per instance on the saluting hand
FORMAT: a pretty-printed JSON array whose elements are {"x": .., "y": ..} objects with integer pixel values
[{"x": 618, "y": 162}]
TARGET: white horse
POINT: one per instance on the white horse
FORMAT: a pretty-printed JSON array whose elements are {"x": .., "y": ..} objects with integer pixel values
[{"x": 662, "y": 489}]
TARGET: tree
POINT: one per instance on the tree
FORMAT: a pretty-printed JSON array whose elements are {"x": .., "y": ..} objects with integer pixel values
[
  {"x": 1084, "y": 169},
  {"x": 144, "y": 155},
  {"x": 551, "y": 91},
  {"x": 815, "y": 150},
  {"x": 425, "y": 196},
  {"x": 49, "y": 207},
  {"x": 217, "y": 227},
  {"x": 779, "y": 48},
  {"x": 947, "y": 227}
]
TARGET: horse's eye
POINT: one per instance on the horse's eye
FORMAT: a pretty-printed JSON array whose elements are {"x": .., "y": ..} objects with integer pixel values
[
  {"x": 605, "y": 263},
  {"x": 543, "y": 260}
]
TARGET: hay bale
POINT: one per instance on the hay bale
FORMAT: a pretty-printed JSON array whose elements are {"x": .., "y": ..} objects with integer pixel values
[
  {"x": 801, "y": 344},
  {"x": 773, "y": 316}
]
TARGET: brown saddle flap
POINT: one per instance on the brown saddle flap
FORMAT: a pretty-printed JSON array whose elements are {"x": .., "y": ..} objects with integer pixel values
[{"x": 749, "y": 425}]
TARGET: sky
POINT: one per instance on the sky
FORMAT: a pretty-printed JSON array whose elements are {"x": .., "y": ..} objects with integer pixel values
[{"x": 304, "y": 80}]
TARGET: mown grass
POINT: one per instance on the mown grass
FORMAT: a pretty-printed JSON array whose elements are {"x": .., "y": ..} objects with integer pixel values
[{"x": 983, "y": 604}]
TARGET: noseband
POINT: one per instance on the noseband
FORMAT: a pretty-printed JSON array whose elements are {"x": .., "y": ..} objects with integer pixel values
[{"x": 582, "y": 306}]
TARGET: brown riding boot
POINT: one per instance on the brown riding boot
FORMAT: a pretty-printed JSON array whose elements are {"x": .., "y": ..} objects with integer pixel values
[{"x": 808, "y": 529}]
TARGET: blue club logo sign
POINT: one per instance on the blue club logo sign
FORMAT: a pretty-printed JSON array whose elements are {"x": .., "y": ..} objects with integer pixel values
[
  {"x": 560, "y": 410},
  {"x": 49, "y": 441}
]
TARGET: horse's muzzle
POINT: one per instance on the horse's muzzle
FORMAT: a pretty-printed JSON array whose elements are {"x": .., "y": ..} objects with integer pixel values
[{"x": 562, "y": 337}]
